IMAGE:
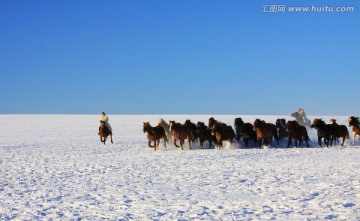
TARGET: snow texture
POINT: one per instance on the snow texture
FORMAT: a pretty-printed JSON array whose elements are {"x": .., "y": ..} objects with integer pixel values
[{"x": 55, "y": 167}]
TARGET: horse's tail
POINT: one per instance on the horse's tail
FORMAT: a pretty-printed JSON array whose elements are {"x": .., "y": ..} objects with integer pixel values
[{"x": 347, "y": 136}]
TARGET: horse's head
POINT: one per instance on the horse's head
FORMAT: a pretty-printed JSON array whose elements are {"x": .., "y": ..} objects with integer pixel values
[
  {"x": 146, "y": 126},
  {"x": 353, "y": 121},
  {"x": 238, "y": 123},
  {"x": 217, "y": 127},
  {"x": 317, "y": 123},
  {"x": 257, "y": 123},
  {"x": 171, "y": 124},
  {"x": 211, "y": 122},
  {"x": 333, "y": 121},
  {"x": 160, "y": 121},
  {"x": 102, "y": 124},
  {"x": 295, "y": 114},
  {"x": 188, "y": 123},
  {"x": 200, "y": 124}
]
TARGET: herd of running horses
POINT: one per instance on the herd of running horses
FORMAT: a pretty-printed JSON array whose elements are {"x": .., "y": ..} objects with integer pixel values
[{"x": 259, "y": 132}]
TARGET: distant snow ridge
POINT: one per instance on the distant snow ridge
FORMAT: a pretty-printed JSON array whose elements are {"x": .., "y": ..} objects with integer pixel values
[{"x": 55, "y": 167}]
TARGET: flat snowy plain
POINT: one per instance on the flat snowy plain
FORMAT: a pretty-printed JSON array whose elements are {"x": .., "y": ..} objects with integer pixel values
[{"x": 54, "y": 167}]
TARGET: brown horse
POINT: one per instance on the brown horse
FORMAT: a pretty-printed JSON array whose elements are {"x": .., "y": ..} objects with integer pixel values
[
  {"x": 326, "y": 131},
  {"x": 355, "y": 123},
  {"x": 104, "y": 132},
  {"x": 222, "y": 132},
  {"x": 180, "y": 132},
  {"x": 341, "y": 130},
  {"x": 154, "y": 134},
  {"x": 264, "y": 132},
  {"x": 296, "y": 132}
]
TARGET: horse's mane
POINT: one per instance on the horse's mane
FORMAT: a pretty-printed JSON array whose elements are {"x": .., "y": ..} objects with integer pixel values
[
  {"x": 238, "y": 121},
  {"x": 293, "y": 122},
  {"x": 357, "y": 121},
  {"x": 320, "y": 121},
  {"x": 281, "y": 121},
  {"x": 161, "y": 121},
  {"x": 200, "y": 124}
]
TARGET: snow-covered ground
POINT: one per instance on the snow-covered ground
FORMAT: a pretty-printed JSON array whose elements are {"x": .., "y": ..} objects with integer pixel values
[{"x": 54, "y": 167}]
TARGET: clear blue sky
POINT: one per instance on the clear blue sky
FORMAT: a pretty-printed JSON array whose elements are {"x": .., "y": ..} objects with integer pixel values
[{"x": 177, "y": 57}]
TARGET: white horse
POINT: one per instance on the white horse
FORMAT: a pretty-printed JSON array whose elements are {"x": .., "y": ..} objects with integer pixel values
[
  {"x": 302, "y": 120},
  {"x": 166, "y": 127}
]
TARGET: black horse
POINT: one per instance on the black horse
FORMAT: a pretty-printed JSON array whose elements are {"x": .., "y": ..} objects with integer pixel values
[
  {"x": 326, "y": 131},
  {"x": 193, "y": 130},
  {"x": 204, "y": 133}
]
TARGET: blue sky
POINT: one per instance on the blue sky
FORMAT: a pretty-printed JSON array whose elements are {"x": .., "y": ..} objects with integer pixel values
[{"x": 178, "y": 57}]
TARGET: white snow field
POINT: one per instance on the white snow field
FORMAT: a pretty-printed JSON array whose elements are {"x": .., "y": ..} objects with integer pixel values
[{"x": 53, "y": 167}]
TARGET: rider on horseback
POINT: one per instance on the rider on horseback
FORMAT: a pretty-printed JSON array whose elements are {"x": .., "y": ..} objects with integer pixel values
[
  {"x": 104, "y": 118},
  {"x": 302, "y": 115}
]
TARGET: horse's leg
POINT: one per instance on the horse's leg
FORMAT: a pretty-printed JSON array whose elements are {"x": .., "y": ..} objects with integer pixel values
[
  {"x": 111, "y": 137},
  {"x": 289, "y": 142},
  {"x": 149, "y": 143},
  {"x": 182, "y": 144},
  {"x": 354, "y": 134},
  {"x": 333, "y": 139},
  {"x": 210, "y": 142},
  {"x": 201, "y": 143},
  {"x": 164, "y": 143},
  {"x": 319, "y": 141},
  {"x": 175, "y": 142},
  {"x": 260, "y": 142},
  {"x": 189, "y": 141}
]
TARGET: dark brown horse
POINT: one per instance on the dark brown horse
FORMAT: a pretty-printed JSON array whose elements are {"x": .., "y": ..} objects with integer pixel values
[
  {"x": 354, "y": 122},
  {"x": 222, "y": 132},
  {"x": 204, "y": 133},
  {"x": 104, "y": 132},
  {"x": 264, "y": 132},
  {"x": 155, "y": 134},
  {"x": 341, "y": 130},
  {"x": 326, "y": 131},
  {"x": 296, "y": 132},
  {"x": 180, "y": 132}
]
